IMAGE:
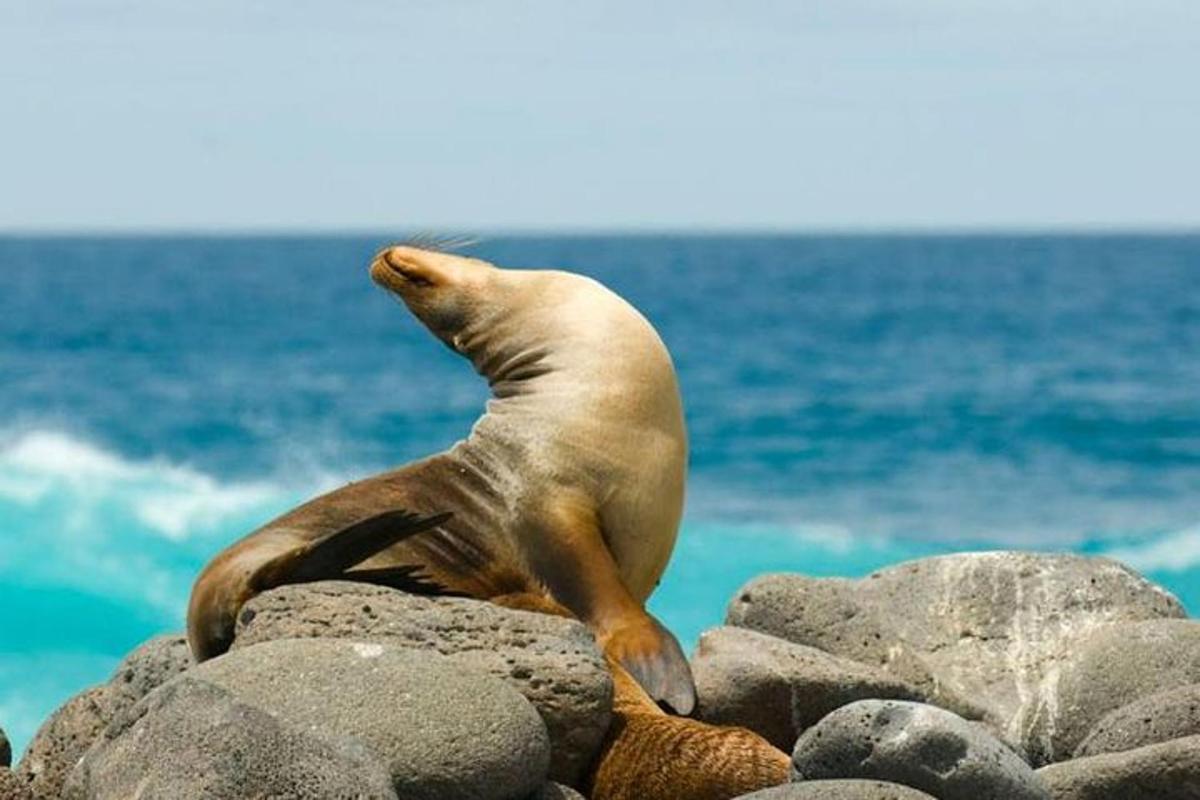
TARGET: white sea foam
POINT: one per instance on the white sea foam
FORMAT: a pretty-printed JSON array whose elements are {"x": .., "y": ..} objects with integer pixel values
[
  {"x": 1173, "y": 552},
  {"x": 169, "y": 499}
]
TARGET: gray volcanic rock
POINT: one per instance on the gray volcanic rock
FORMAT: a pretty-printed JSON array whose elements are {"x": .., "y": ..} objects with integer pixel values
[
  {"x": 62, "y": 740},
  {"x": 5, "y": 750},
  {"x": 192, "y": 740},
  {"x": 442, "y": 729},
  {"x": 776, "y": 688},
  {"x": 70, "y": 731},
  {"x": 1115, "y": 666},
  {"x": 552, "y": 661},
  {"x": 991, "y": 627},
  {"x": 1163, "y": 716},
  {"x": 921, "y": 746},
  {"x": 556, "y": 791},
  {"x": 149, "y": 666},
  {"x": 12, "y": 787},
  {"x": 838, "y": 790},
  {"x": 1165, "y": 771}
]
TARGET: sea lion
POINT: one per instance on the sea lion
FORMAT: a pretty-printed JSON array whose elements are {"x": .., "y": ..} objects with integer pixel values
[
  {"x": 570, "y": 485},
  {"x": 650, "y": 755}
]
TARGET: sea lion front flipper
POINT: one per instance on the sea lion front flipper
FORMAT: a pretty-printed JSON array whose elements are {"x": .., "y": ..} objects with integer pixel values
[
  {"x": 334, "y": 554},
  {"x": 570, "y": 556},
  {"x": 652, "y": 655}
]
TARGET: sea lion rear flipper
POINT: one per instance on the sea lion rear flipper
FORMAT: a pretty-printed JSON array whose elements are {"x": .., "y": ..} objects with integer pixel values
[
  {"x": 334, "y": 554},
  {"x": 407, "y": 578},
  {"x": 652, "y": 655},
  {"x": 275, "y": 555}
]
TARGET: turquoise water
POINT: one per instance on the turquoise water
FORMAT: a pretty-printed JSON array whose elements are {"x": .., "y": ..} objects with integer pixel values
[{"x": 852, "y": 402}]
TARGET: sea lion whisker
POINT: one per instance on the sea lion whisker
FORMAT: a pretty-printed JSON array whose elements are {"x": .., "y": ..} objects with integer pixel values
[{"x": 438, "y": 243}]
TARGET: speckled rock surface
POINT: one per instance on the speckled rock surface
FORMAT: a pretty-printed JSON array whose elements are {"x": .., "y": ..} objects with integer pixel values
[
  {"x": 552, "y": 661},
  {"x": 1118, "y": 665},
  {"x": 442, "y": 729},
  {"x": 62, "y": 740},
  {"x": 975, "y": 632},
  {"x": 556, "y": 791},
  {"x": 917, "y": 745},
  {"x": 1166, "y": 771},
  {"x": 12, "y": 787},
  {"x": 777, "y": 688},
  {"x": 191, "y": 740},
  {"x": 149, "y": 666},
  {"x": 839, "y": 790},
  {"x": 1160, "y": 717}
]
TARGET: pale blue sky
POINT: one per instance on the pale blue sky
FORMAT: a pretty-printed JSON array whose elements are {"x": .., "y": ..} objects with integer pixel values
[{"x": 391, "y": 115}]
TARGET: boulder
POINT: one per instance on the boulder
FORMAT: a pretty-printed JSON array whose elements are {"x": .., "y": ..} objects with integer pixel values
[
  {"x": 149, "y": 666},
  {"x": 1120, "y": 664},
  {"x": 982, "y": 634},
  {"x": 838, "y": 790},
  {"x": 556, "y": 791},
  {"x": 1163, "y": 716},
  {"x": 441, "y": 728},
  {"x": 552, "y": 661},
  {"x": 12, "y": 787},
  {"x": 62, "y": 740},
  {"x": 191, "y": 740},
  {"x": 914, "y": 744},
  {"x": 70, "y": 731},
  {"x": 776, "y": 688},
  {"x": 1165, "y": 771}
]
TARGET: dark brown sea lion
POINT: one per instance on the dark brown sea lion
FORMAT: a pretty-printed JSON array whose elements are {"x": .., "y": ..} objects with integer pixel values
[{"x": 570, "y": 485}]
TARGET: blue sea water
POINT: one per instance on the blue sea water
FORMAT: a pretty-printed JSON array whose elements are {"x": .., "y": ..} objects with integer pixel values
[{"x": 852, "y": 402}]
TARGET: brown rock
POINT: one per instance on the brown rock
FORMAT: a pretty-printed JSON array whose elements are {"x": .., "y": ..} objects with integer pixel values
[
  {"x": 1163, "y": 716},
  {"x": 62, "y": 740},
  {"x": 1166, "y": 771},
  {"x": 1118, "y": 665}
]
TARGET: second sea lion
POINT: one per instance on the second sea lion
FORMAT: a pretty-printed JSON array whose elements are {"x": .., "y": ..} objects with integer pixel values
[{"x": 570, "y": 485}]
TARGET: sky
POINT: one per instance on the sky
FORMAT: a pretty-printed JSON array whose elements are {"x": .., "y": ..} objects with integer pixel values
[{"x": 299, "y": 115}]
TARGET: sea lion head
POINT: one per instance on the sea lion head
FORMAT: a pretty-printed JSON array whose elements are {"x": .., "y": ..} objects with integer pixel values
[
  {"x": 520, "y": 324},
  {"x": 448, "y": 293}
]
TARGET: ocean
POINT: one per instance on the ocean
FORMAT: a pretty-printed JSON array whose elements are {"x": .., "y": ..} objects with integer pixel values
[{"x": 852, "y": 401}]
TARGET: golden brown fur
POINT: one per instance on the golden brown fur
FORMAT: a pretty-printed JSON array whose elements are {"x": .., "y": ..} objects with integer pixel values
[{"x": 650, "y": 755}]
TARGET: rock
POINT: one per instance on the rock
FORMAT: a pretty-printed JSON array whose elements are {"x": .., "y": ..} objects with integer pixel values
[
  {"x": 5, "y": 750},
  {"x": 442, "y": 729},
  {"x": 556, "y": 791},
  {"x": 192, "y": 740},
  {"x": 778, "y": 689},
  {"x": 62, "y": 740},
  {"x": 553, "y": 661},
  {"x": 1166, "y": 771},
  {"x": 1163, "y": 716},
  {"x": 12, "y": 787},
  {"x": 838, "y": 790},
  {"x": 148, "y": 667},
  {"x": 921, "y": 746},
  {"x": 1118, "y": 665},
  {"x": 991, "y": 627}
]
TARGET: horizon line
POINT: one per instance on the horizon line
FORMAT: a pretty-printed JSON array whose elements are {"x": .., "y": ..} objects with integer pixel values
[{"x": 515, "y": 232}]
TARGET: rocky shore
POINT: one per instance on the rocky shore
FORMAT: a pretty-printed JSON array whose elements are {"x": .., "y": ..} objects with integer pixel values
[{"x": 965, "y": 677}]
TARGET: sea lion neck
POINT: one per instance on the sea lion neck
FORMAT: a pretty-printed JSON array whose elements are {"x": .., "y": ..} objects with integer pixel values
[{"x": 516, "y": 339}]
